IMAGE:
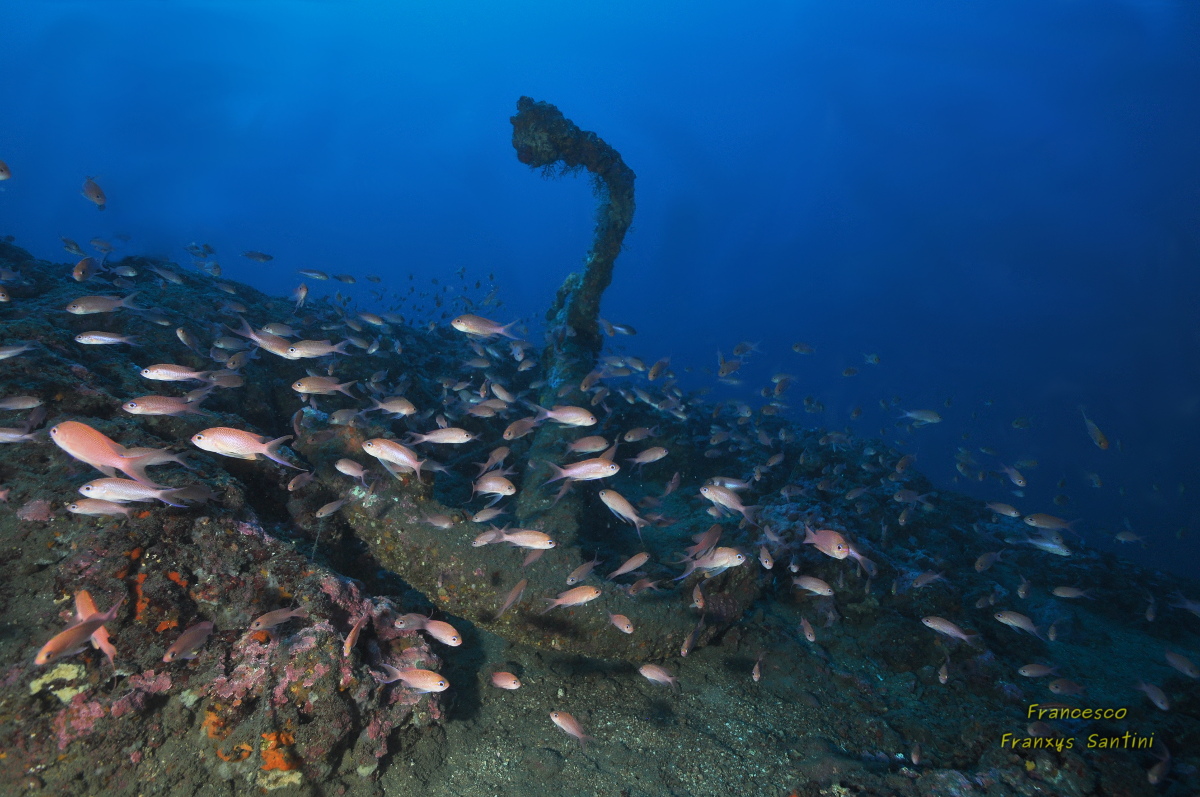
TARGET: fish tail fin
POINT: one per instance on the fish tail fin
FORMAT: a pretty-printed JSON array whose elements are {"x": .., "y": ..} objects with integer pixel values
[
  {"x": 271, "y": 451},
  {"x": 341, "y": 348},
  {"x": 690, "y": 569},
  {"x": 638, "y": 523},
  {"x": 166, "y": 495},
  {"x": 127, "y": 302},
  {"x": 345, "y": 388},
  {"x": 111, "y": 614},
  {"x": 559, "y": 473},
  {"x": 135, "y": 468},
  {"x": 553, "y": 603},
  {"x": 542, "y": 413},
  {"x": 181, "y": 458},
  {"x": 301, "y": 613},
  {"x": 504, "y": 330},
  {"x": 244, "y": 330}
]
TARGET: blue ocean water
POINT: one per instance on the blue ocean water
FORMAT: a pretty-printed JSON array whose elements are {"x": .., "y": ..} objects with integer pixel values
[{"x": 998, "y": 200}]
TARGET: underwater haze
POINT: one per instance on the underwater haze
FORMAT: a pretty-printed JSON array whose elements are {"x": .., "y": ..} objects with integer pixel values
[{"x": 910, "y": 266}]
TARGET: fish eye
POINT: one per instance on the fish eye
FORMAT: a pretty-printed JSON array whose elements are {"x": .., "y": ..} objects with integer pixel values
[{"x": 441, "y": 683}]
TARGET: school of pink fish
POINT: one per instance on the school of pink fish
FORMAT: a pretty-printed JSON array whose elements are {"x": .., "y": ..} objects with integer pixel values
[{"x": 487, "y": 406}]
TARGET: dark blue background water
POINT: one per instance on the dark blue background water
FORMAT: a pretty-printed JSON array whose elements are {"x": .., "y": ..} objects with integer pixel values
[{"x": 1000, "y": 200}]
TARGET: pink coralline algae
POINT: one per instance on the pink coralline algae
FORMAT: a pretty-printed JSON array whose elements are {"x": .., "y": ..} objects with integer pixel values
[
  {"x": 251, "y": 527},
  {"x": 14, "y": 674},
  {"x": 135, "y": 701},
  {"x": 387, "y": 719},
  {"x": 345, "y": 594},
  {"x": 148, "y": 683},
  {"x": 378, "y": 731},
  {"x": 76, "y": 720},
  {"x": 250, "y": 674},
  {"x": 38, "y": 509},
  {"x": 293, "y": 674},
  {"x": 308, "y": 640}
]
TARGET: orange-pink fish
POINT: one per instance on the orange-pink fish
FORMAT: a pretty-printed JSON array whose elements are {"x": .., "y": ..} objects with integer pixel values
[
  {"x": 587, "y": 470},
  {"x": 93, "y": 193},
  {"x": 75, "y": 638},
  {"x": 828, "y": 542},
  {"x": 944, "y": 626},
  {"x": 100, "y": 451},
  {"x": 621, "y": 622},
  {"x": 85, "y": 607},
  {"x": 568, "y": 416},
  {"x": 352, "y": 636},
  {"x": 631, "y": 564},
  {"x": 481, "y": 327},
  {"x": 658, "y": 675},
  {"x": 188, "y": 645},
  {"x": 278, "y": 617},
  {"x": 620, "y": 506},
  {"x": 416, "y": 679},
  {"x": 571, "y": 727},
  {"x": 240, "y": 444},
  {"x": 573, "y": 597},
  {"x": 505, "y": 680}
]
